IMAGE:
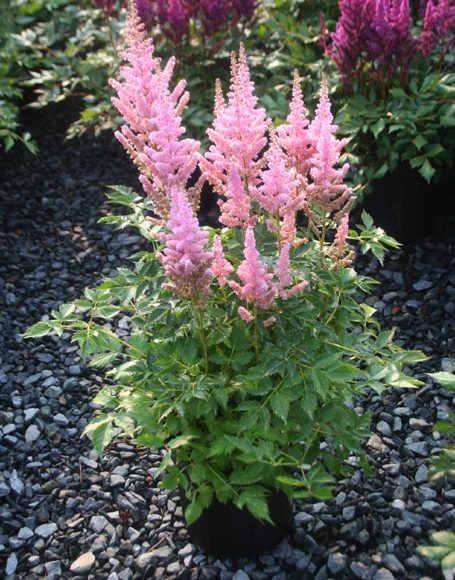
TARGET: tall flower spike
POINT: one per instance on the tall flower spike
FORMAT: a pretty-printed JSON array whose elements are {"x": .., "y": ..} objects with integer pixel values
[
  {"x": 186, "y": 263},
  {"x": 323, "y": 118},
  {"x": 283, "y": 268},
  {"x": 327, "y": 191},
  {"x": 284, "y": 274},
  {"x": 221, "y": 267},
  {"x": 238, "y": 133},
  {"x": 439, "y": 27},
  {"x": 174, "y": 18},
  {"x": 235, "y": 207},
  {"x": 294, "y": 136},
  {"x": 278, "y": 182},
  {"x": 153, "y": 129},
  {"x": 257, "y": 288},
  {"x": 373, "y": 36}
]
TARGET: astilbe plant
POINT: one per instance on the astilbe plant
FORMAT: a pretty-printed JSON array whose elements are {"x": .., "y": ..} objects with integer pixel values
[
  {"x": 373, "y": 40},
  {"x": 249, "y": 341},
  {"x": 438, "y": 27},
  {"x": 178, "y": 17}
]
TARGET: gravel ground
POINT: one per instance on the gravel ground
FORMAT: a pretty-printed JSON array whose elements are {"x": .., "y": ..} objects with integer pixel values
[{"x": 66, "y": 514}]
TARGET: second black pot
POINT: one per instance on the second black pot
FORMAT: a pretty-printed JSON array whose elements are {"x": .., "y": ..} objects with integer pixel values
[{"x": 227, "y": 531}]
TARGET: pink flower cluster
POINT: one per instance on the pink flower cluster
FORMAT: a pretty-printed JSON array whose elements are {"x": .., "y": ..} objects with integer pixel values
[
  {"x": 185, "y": 262},
  {"x": 238, "y": 136},
  {"x": 259, "y": 180},
  {"x": 174, "y": 16},
  {"x": 152, "y": 111}
]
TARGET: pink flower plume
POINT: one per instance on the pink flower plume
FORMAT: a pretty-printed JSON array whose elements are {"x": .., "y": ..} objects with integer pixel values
[
  {"x": 238, "y": 133},
  {"x": 185, "y": 262},
  {"x": 278, "y": 182},
  {"x": 327, "y": 190},
  {"x": 294, "y": 136},
  {"x": 221, "y": 267},
  {"x": 257, "y": 287},
  {"x": 153, "y": 130}
]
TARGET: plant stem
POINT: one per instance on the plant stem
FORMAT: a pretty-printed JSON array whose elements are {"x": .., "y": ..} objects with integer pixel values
[
  {"x": 202, "y": 335},
  {"x": 109, "y": 29},
  {"x": 256, "y": 333}
]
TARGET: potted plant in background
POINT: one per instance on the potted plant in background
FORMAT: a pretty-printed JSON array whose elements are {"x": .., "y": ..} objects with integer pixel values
[
  {"x": 247, "y": 343},
  {"x": 398, "y": 111}
]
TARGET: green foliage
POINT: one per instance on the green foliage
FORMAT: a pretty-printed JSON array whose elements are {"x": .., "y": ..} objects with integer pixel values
[
  {"x": 443, "y": 549},
  {"x": 244, "y": 408},
  {"x": 58, "y": 48},
  {"x": 415, "y": 125},
  {"x": 372, "y": 239}
]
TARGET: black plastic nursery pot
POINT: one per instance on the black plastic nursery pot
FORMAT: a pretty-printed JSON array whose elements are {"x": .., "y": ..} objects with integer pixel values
[
  {"x": 226, "y": 531},
  {"x": 403, "y": 204}
]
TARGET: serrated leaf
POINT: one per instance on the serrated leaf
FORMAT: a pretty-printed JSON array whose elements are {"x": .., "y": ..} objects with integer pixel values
[
  {"x": 367, "y": 220},
  {"x": 179, "y": 441},
  {"x": 193, "y": 511},
  {"x": 419, "y": 142},
  {"x": 221, "y": 446},
  {"x": 106, "y": 399},
  {"x": 103, "y": 360},
  {"x": 38, "y": 329},
  {"x": 280, "y": 405},
  {"x": 292, "y": 481},
  {"x": 101, "y": 436},
  {"x": 448, "y": 562},
  {"x": 427, "y": 170},
  {"x": 256, "y": 505},
  {"x": 66, "y": 310},
  {"x": 447, "y": 380},
  {"x": 444, "y": 538},
  {"x": 125, "y": 422},
  {"x": 149, "y": 440}
]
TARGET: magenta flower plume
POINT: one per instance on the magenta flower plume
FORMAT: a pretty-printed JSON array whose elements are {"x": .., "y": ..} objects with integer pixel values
[
  {"x": 374, "y": 38},
  {"x": 438, "y": 27},
  {"x": 174, "y": 18},
  {"x": 294, "y": 136},
  {"x": 214, "y": 15},
  {"x": 185, "y": 262},
  {"x": 153, "y": 129},
  {"x": 238, "y": 133},
  {"x": 245, "y": 8},
  {"x": 145, "y": 12},
  {"x": 350, "y": 38},
  {"x": 257, "y": 288},
  {"x": 327, "y": 190},
  {"x": 221, "y": 267},
  {"x": 107, "y": 5},
  {"x": 278, "y": 183}
]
